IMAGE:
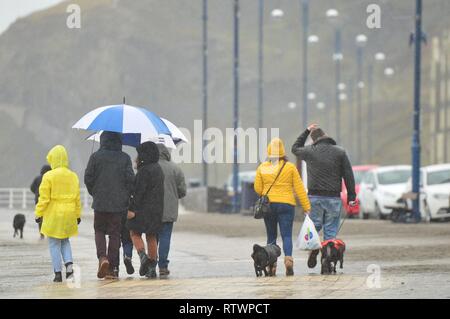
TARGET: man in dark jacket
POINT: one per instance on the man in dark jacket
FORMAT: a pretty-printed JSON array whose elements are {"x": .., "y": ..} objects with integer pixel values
[
  {"x": 327, "y": 165},
  {"x": 174, "y": 189},
  {"x": 35, "y": 190},
  {"x": 109, "y": 179},
  {"x": 146, "y": 207}
]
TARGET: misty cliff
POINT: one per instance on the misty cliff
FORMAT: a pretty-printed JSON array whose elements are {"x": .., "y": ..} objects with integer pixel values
[{"x": 150, "y": 52}]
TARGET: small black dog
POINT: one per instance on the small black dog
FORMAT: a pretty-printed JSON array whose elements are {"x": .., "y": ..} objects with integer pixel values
[
  {"x": 265, "y": 259},
  {"x": 18, "y": 224},
  {"x": 332, "y": 253}
]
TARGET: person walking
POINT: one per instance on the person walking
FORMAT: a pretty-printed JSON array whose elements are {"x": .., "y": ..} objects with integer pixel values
[
  {"x": 146, "y": 207},
  {"x": 59, "y": 210},
  {"x": 109, "y": 178},
  {"x": 327, "y": 164},
  {"x": 34, "y": 187},
  {"x": 281, "y": 181},
  {"x": 174, "y": 189}
]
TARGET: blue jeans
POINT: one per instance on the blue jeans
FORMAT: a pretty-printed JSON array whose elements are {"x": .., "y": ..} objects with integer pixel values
[
  {"x": 127, "y": 247},
  {"x": 164, "y": 245},
  {"x": 127, "y": 244},
  {"x": 326, "y": 214},
  {"x": 282, "y": 215},
  {"x": 58, "y": 248}
]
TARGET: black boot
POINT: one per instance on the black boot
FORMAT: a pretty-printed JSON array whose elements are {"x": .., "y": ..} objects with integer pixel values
[
  {"x": 151, "y": 273},
  {"x": 116, "y": 272},
  {"x": 312, "y": 259},
  {"x": 58, "y": 277},
  {"x": 144, "y": 263},
  {"x": 128, "y": 265},
  {"x": 69, "y": 270}
]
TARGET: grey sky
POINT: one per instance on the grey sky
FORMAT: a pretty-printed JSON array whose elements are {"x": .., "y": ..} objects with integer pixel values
[{"x": 10, "y": 10}]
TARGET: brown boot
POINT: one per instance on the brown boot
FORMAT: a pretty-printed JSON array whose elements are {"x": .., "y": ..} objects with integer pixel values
[
  {"x": 113, "y": 273},
  {"x": 289, "y": 263},
  {"x": 103, "y": 267}
]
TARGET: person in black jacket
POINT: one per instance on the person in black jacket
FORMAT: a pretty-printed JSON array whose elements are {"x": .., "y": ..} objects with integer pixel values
[
  {"x": 147, "y": 206},
  {"x": 109, "y": 178},
  {"x": 35, "y": 190},
  {"x": 327, "y": 165}
]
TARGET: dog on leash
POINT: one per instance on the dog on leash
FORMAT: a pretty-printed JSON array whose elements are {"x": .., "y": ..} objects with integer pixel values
[
  {"x": 332, "y": 253},
  {"x": 265, "y": 259},
  {"x": 18, "y": 224}
]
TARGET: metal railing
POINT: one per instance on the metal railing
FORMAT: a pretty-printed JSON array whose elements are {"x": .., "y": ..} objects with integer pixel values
[{"x": 23, "y": 198}]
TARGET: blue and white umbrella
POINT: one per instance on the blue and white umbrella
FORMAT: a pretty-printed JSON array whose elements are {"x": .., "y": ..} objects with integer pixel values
[
  {"x": 177, "y": 135},
  {"x": 134, "y": 139},
  {"x": 123, "y": 119}
]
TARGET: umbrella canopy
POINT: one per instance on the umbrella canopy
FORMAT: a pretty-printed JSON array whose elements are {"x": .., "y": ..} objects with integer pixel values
[
  {"x": 176, "y": 133},
  {"x": 123, "y": 119},
  {"x": 135, "y": 139}
]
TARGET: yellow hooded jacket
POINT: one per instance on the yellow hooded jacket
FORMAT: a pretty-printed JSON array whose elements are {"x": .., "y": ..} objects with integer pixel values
[
  {"x": 288, "y": 183},
  {"x": 59, "y": 197}
]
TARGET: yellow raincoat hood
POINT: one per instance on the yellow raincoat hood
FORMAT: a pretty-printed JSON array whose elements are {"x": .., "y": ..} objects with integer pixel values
[
  {"x": 57, "y": 157},
  {"x": 276, "y": 148}
]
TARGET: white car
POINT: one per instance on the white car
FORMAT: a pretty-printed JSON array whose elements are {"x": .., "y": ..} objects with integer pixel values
[
  {"x": 435, "y": 192},
  {"x": 381, "y": 188}
]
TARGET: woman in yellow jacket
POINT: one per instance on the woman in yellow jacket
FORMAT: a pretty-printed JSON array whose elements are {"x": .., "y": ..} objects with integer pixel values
[
  {"x": 281, "y": 197},
  {"x": 59, "y": 209}
]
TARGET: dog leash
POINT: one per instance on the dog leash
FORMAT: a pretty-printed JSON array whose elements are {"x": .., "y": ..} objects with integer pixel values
[{"x": 343, "y": 221}]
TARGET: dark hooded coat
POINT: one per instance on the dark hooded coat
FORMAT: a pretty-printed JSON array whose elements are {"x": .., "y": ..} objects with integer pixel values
[
  {"x": 34, "y": 187},
  {"x": 327, "y": 165},
  {"x": 109, "y": 175},
  {"x": 147, "y": 199}
]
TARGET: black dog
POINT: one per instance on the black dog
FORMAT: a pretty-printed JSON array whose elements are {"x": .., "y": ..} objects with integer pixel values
[
  {"x": 332, "y": 253},
  {"x": 18, "y": 224},
  {"x": 265, "y": 259}
]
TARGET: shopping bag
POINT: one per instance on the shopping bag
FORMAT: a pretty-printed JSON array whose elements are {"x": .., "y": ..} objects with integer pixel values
[{"x": 308, "y": 239}]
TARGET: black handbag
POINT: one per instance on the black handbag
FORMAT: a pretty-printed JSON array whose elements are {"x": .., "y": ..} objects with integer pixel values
[{"x": 262, "y": 205}]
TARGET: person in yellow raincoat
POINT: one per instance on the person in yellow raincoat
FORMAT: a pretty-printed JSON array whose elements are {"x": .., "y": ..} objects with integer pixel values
[
  {"x": 281, "y": 192},
  {"x": 59, "y": 209}
]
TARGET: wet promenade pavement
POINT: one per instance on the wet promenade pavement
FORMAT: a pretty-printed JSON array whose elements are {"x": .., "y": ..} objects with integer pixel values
[{"x": 210, "y": 258}]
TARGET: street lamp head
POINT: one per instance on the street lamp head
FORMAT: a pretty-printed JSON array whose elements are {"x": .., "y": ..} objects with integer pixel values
[
  {"x": 389, "y": 72},
  {"x": 380, "y": 56},
  {"x": 361, "y": 85},
  {"x": 292, "y": 105},
  {"x": 333, "y": 17},
  {"x": 361, "y": 40},
  {"x": 277, "y": 13},
  {"x": 311, "y": 96},
  {"x": 313, "y": 38},
  {"x": 320, "y": 105},
  {"x": 341, "y": 86},
  {"x": 332, "y": 13},
  {"x": 342, "y": 96}
]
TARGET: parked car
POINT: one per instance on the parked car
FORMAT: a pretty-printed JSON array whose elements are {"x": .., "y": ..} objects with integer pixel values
[
  {"x": 435, "y": 192},
  {"x": 381, "y": 189},
  {"x": 359, "y": 172},
  {"x": 244, "y": 176}
]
